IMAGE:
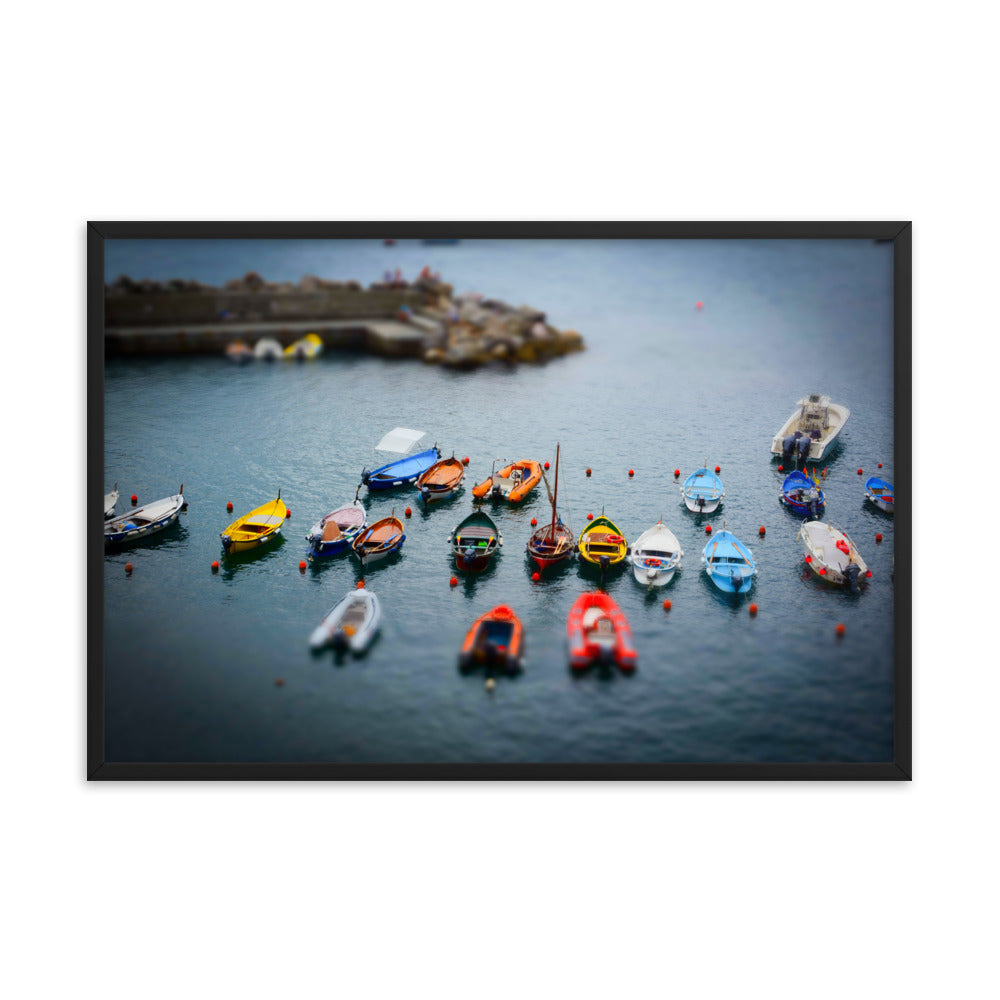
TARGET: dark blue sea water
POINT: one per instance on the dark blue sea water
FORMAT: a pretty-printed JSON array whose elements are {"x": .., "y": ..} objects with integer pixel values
[{"x": 192, "y": 657}]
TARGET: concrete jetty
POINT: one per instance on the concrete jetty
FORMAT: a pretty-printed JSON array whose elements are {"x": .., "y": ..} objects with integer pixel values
[{"x": 422, "y": 319}]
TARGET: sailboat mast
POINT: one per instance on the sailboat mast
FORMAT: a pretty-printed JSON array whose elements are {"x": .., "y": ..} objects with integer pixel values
[{"x": 555, "y": 494}]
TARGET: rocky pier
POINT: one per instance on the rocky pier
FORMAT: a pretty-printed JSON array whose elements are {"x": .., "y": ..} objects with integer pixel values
[{"x": 420, "y": 319}]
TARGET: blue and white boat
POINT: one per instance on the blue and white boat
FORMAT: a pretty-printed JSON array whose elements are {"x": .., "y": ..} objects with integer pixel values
[
  {"x": 802, "y": 495},
  {"x": 729, "y": 563},
  {"x": 702, "y": 491},
  {"x": 335, "y": 532},
  {"x": 144, "y": 521},
  {"x": 402, "y": 471},
  {"x": 880, "y": 493}
]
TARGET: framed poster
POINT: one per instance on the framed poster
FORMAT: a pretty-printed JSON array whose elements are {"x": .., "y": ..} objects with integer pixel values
[{"x": 499, "y": 501}]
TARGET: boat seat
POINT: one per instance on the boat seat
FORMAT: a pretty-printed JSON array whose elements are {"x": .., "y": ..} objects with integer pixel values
[{"x": 331, "y": 531}]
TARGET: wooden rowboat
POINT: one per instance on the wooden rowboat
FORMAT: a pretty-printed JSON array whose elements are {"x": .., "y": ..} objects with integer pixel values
[
  {"x": 551, "y": 543},
  {"x": 602, "y": 544},
  {"x": 475, "y": 542},
  {"x": 335, "y": 532},
  {"x": 144, "y": 521},
  {"x": 443, "y": 479},
  {"x": 261, "y": 525},
  {"x": 379, "y": 540}
]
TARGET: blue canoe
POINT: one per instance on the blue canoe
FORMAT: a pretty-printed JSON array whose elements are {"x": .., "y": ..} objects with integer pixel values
[
  {"x": 702, "y": 491},
  {"x": 729, "y": 563},
  {"x": 880, "y": 493},
  {"x": 402, "y": 472},
  {"x": 800, "y": 493}
]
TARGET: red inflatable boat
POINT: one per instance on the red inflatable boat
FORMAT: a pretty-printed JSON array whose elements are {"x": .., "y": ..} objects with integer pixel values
[{"x": 599, "y": 633}]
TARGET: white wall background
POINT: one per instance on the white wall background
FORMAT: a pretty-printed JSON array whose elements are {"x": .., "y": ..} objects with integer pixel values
[{"x": 533, "y": 111}]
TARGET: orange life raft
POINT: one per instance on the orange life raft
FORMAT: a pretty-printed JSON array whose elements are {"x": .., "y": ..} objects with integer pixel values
[
  {"x": 599, "y": 633},
  {"x": 495, "y": 640},
  {"x": 514, "y": 482}
]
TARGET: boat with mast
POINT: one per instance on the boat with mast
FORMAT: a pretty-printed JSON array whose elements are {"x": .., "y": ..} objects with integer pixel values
[{"x": 551, "y": 543}]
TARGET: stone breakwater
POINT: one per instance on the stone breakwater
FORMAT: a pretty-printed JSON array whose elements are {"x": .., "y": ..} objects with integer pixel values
[{"x": 421, "y": 319}]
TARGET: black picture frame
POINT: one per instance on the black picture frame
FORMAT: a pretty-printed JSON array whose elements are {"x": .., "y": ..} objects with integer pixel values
[{"x": 899, "y": 768}]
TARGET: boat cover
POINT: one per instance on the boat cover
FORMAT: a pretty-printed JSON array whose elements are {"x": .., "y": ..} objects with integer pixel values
[{"x": 400, "y": 440}]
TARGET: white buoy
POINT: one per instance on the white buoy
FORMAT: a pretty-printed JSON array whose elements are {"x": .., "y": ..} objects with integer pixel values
[{"x": 490, "y": 684}]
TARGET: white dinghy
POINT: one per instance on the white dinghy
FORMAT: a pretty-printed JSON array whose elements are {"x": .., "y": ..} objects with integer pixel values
[
  {"x": 268, "y": 349},
  {"x": 811, "y": 430},
  {"x": 110, "y": 502},
  {"x": 656, "y": 556},
  {"x": 831, "y": 555},
  {"x": 350, "y": 624}
]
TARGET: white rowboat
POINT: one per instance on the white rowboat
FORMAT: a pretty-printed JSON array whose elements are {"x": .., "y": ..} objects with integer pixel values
[{"x": 656, "y": 556}]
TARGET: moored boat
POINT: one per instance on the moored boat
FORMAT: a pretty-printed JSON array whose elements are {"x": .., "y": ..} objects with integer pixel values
[
  {"x": 811, "y": 429},
  {"x": 495, "y": 640},
  {"x": 598, "y": 632},
  {"x": 239, "y": 351},
  {"x": 475, "y": 542},
  {"x": 729, "y": 563},
  {"x": 801, "y": 493},
  {"x": 261, "y": 525},
  {"x": 443, "y": 479},
  {"x": 334, "y": 532},
  {"x": 110, "y": 502},
  {"x": 305, "y": 348},
  {"x": 144, "y": 521},
  {"x": 656, "y": 555},
  {"x": 268, "y": 349},
  {"x": 703, "y": 491},
  {"x": 602, "y": 543},
  {"x": 551, "y": 543},
  {"x": 832, "y": 556},
  {"x": 350, "y": 624},
  {"x": 880, "y": 492},
  {"x": 401, "y": 471},
  {"x": 379, "y": 540},
  {"x": 513, "y": 482}
]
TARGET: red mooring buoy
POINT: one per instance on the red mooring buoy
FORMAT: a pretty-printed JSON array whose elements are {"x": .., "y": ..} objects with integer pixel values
[
  {"x": 860, "y": 471},
  {"x": 753, "y": 609},
  {"x": 631, "y": 473},
  {"x": 465, "y": 461},
  {"x": 288, "y": 512},
  {"x": 841, "y": 628},
  {"x": 135, "y": 499},
  {"x": 546, "y": 465},
  {"x": 718, "y": 468},
  {"x": 360, "y": 585},
  {"x": 590, "y": 517},
  {"x": 762, "y": 531},
  {"x": 453, "y": 581},
  {"x": 677, "y": 472},
  {"x": 878, "y": 537},
  {"x": 708, "y": 529},
  {"x": 667, "y": 605},
  {"x": 536, "y": 576},
  {"x": 534, "y": 521},
  {"x": 408, "y": 512},
  {"x": 229, "y": 506},
  {"x": 302, "y": 566},
  {"x": 215, "y": 566},
  {"x": 781, "y": 468},
  {"x": 128, "y": 568},
  {"x": 588, "y": 472}
]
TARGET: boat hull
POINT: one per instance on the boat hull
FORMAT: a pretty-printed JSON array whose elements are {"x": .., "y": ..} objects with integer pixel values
[
  {"x": 598, "y": 633},
  {"x": 548, "y": 548},
  {"x": 403, "y": 472},
  {"x": 822, "y": 439},
  {"x": 261, "y": 526},
  {"x": 150, "y": 519},
  {"x": 653, "y": 576},
  {"x": 701, "y": 505}
]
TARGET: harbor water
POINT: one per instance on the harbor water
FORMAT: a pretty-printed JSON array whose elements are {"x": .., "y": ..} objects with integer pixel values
[{"x": 696, "y": 350}]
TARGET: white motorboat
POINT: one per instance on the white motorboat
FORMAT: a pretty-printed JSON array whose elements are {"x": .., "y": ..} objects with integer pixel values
[
  {"x": 268, "y": 349},
  {"x": 831, "y": 554},
  {"x": 811, "y": 430},
  {"x": 656, "y": 555},
  {"x": 110, "y": 502},
  {"x": 350, "y": 624}
]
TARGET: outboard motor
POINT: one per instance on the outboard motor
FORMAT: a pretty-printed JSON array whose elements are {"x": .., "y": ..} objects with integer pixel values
[
  {"x": 787, "y": 447},
  {"x": 339, "y": 640},
  {"x": 226, "y": 542},
  {"x": 814, "y": 506},
  {"x": 365, "y": 476},
  {"x": 852, "y": 573},
  {"x": 701, "y": 503},
  {"x": 737, "y": 579},
  {"x": 802, "y": 446}
]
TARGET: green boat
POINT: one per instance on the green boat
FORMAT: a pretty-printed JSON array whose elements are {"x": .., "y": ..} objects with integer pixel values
[{"x": 475, "y": 542}]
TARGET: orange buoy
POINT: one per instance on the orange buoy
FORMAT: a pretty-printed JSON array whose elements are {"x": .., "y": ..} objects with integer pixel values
[
  {"x": 360, "y": 585},
  {"x": 465, "y": 461},
  {"x": 128, "y": 567},
  {"x": 841, "y": 628},
  {"x": 781, "y": 468},
  {"x": 302, "y": 566},
  {"x": 279, "y": 682},
  {"x": 753, "y": 609},
  {"x": 860, "y": 471},
  {"x": 546, "y": 465},
  {"x": 408, "y": 512},
  {"x": 677, "y": 472},
  {"x": 229, "y": 506},
  {"x": 762, "y": 531},
  {"x": 718, "y": 468},
  {"x": 588, "y": 472},
  {"x": 869, "y": 573},
  {"x": 667, "y": 605},
  {"x": 878, "y": 537},
  {"x": 631, "y": 473},
  {"x": 534, "y": 521},
  {"x": 708, "y": 529},
  {"x": 536, "y": 576},
  {"x": 135, "y": 499},
  {"x": 453, "y": 581},
  {"x": 215, "y": 566},
  {"x": 590, "y": 517}
]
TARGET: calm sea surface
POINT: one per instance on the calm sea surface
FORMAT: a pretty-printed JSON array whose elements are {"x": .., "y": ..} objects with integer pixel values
[{"x": 192, "y": 657}]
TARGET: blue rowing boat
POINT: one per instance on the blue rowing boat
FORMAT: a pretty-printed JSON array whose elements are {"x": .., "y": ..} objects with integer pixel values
[
  {"x": 801, "y": 494},
  {"x": 880, "y": 493},
  {"x": 729, "y": 563},
  {"x": 702, "y": 491},
  {"x": 402, "y": 472}
]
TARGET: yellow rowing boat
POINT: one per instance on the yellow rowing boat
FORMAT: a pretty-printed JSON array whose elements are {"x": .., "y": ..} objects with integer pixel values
[{"x": 255, "y": 528}]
